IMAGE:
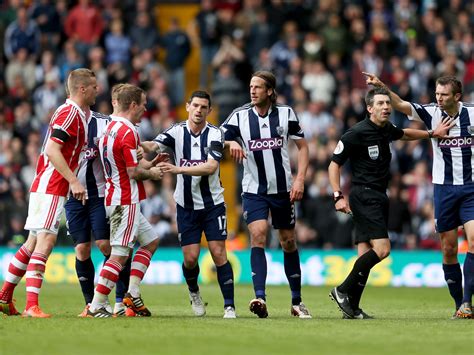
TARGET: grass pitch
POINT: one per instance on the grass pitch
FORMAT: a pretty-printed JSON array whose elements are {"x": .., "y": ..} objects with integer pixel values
[{"x": 409, "y": 321}]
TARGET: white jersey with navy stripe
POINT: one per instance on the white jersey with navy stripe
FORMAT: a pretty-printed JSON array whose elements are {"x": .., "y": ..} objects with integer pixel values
[
  {"x": 265, "y": 140},
  {"x": 453, "y": 162},
  {"x": 195, "y": 192},
  {"x": 91, "y": 172}
]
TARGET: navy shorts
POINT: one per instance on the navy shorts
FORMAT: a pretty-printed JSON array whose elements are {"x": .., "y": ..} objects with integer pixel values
[
  {"x": 257, "y": 207},
  {"x": 370, "y": 213},
  {"x": 191, "y": 223},
  {"x": 453, "y": 206},
  {"x": 83, "y": 221}
]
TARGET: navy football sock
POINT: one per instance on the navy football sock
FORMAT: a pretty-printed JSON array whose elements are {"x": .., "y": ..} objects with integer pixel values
[
  {"x": 191, "y": 277},
  {"x": 225, "y": 276},
  {"x": 361, "y": 269},
  {"x": 258, "y": 263},
  {"x": 358, "y": 290},
  {"x": 293, "y": 274},
  {"x": 85, "y": 273},
  {"x": 453, "y": 277},
  {"x": 123, "y": 281},
  {"x": 468, "y": 277}
]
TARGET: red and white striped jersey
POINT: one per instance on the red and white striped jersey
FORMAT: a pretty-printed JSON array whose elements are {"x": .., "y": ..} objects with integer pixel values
[
  {"x": 118, "y": 150},
  {"x": 73, "y": 121}
]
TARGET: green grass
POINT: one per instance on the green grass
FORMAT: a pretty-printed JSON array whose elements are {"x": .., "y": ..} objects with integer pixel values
[{"x": 409, "y": 321}]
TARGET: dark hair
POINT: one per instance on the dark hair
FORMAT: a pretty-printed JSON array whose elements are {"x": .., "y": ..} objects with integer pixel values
[
  {"x": 455, "y": 83},
  {"x": 369, "y": 97},
  {"x": 200, "y": 94},
  {"x": 270, "y": 82}
]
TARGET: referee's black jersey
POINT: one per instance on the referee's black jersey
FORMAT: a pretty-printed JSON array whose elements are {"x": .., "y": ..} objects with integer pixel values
[{"x": 367, "y": 146}]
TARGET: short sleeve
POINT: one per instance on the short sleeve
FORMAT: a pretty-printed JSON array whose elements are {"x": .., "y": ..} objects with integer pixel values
[
  {"x": 344, "y": 147},
  {"x": 66, "y": 123},
  {"x": 216, "y": 145},
  {"x": 167, "y": 138},
  {"x": 422, "y": 113},
  {"x": 395, "y": 132},
  {"x": 294, "y": 128},
  {"x": 231, "y": 127},
  {"x": 129, "y": 149}
]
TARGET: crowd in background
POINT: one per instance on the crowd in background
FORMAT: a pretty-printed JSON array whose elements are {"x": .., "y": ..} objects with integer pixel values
[{"x": 317, "y": 50}]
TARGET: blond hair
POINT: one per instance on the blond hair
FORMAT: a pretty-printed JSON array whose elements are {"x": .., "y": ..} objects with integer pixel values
[{"x": 77, "y": 78}]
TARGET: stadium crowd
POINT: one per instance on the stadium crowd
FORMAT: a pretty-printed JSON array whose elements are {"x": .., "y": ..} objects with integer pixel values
[{"x": 317, "y": 49}]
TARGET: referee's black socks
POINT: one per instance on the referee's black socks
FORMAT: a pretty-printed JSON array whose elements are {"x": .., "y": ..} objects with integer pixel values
[{"x": 359, "y": 272}]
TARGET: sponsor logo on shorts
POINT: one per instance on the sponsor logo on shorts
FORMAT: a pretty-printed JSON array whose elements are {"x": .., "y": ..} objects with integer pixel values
[
  {"x": 189, "y": 162},
  {"x": 265, "y": 143},
  {"x": 456, "y": 142}
]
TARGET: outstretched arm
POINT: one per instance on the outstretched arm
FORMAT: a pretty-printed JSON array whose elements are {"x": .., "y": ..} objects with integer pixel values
[
  {"x": 441, "y": 131},
  {"x": 207, "y": 168},
  {"x": 397, "y": 102}
]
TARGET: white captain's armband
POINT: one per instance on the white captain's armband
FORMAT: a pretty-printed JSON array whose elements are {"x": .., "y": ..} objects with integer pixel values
[{"x": 339, "y": 148}]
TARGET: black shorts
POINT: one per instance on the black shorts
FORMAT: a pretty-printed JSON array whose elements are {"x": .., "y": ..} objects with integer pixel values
[{"x": 370, "y": 210}]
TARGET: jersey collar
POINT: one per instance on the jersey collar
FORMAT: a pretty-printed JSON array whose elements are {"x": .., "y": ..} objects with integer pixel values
[
  {"x": 82, "y": 113},
  {"x": 123, "y": 120}
]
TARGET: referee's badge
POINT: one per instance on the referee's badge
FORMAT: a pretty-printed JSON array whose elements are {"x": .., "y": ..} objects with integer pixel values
[{"x": 373, "y": 152}]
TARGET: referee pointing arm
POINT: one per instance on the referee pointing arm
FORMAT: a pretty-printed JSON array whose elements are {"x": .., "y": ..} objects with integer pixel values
[{"x": 367, "y": 146}]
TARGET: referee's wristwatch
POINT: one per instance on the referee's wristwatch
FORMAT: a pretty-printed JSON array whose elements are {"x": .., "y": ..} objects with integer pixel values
[{"x": 337, "y": 196}]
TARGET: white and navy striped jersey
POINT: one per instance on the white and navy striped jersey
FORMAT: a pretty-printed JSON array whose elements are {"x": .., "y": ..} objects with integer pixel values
[
  {"x": 91, "y": 172},
  {"x": 453, "y": 162},
  {"x": 195, "y": 192},
  {"x": 265, "y": 140}
]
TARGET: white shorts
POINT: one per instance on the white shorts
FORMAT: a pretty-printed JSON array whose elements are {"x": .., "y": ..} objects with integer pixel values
[
  {"x": 44, "y": 213},
  {"x": 128, "y": 226}
]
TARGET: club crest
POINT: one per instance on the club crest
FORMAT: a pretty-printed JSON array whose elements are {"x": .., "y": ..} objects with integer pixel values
[
  {"x": 280, "y": 130},
  {"x": 373, "y": 152},
  {"x": 470, "y": 129}
]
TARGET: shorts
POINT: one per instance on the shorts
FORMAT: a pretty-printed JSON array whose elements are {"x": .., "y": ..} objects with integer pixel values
[
  {"x": 370, "y": 213},
  {"x": 128, "y": 226},
  {"x": 453, "y": 206},
  {"x": 191, "y": 223},
  {"x": 44, "y": 213},
  {"x": 257, "y": 207},
  {"x": 83, "y": 221}
]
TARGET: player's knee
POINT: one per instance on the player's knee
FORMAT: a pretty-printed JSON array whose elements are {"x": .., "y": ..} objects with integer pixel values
[
  {"x": 152, "y": 246},
  {"x": 288, "y": 245},
  {"x": 83, "y": 251},
  {"x": 258, "y": 240},
  {"x": 383, "y": 253},
  {"x": 104, "y": 246},
  {"x": 449, "y": 250},
  {"x": 190, "y": 261}
]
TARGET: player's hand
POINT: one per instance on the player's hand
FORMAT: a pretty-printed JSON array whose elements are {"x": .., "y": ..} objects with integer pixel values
[
  {"x": 168, "y": 168},
  {"x": 237, "y": 152},
  {"x": 371, "y": 79},
  {"x": 161, "y": 157},
  {"x": 343, "y": 206},
  {"x": 78, "y": 191},
  {"x": 140, "y": 153},
  {"x": 156, "y": 173},
  {"x": 441, "y": 131},
  {"x": 297, "y": 190}
]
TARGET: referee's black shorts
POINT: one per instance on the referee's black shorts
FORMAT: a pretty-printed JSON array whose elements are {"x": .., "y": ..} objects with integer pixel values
[{"x": 370, "y": 210}]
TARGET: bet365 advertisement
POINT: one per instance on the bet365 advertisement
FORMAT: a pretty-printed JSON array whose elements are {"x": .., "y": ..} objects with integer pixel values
[{"x": 401, "y": 268}]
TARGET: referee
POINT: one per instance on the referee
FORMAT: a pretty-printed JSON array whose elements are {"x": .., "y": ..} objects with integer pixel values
[{"x": 367, "y": 146}]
